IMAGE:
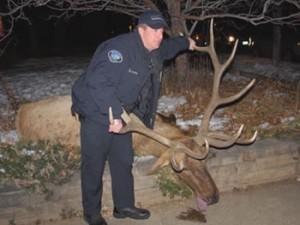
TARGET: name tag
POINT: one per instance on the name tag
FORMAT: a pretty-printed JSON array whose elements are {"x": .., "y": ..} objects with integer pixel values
[{"x": 133, "y": 71}]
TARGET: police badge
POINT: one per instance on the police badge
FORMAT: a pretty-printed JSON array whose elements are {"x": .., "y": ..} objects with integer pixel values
[{"x": 115, "y": 56}]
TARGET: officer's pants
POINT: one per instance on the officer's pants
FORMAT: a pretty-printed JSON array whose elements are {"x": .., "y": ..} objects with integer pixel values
[{"x": 97, "y": 146}]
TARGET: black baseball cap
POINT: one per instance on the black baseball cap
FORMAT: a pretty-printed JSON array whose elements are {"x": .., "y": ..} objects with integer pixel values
[{"x": 153, "y": 19}]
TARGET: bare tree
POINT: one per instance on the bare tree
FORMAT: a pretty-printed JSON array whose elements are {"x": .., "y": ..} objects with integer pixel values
[
  {"x": 253, "y": 11},
  {"x": 184, "y": 15}
]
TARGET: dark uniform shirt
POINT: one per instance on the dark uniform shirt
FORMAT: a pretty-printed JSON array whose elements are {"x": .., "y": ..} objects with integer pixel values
[{"x": 121, "y": 70}]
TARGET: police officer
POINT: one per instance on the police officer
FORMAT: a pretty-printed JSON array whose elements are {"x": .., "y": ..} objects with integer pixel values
[{"x": 124, "y": 73}]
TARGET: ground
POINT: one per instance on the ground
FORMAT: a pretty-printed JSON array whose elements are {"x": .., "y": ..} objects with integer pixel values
[{"x": 271, "y": 204}]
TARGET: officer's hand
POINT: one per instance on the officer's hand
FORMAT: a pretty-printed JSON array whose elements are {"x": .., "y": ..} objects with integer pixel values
[
  {"x": 192, "y": 44},
  {"x": 115, "y": 126}
]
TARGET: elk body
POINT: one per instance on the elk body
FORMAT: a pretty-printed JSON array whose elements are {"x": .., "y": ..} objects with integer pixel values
[{"x": 187, "y": 156}]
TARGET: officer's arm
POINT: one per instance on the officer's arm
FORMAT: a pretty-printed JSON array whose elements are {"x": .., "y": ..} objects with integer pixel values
[
  {"x": 103, "y": 80},
  {"x": 172, "y": 46}
]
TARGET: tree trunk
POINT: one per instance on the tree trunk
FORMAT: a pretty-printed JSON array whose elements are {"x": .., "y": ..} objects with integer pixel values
[
  {"x": 59, "y": 38},
  {"x": 177, "y": 28},
  {"x": 34, "y": 42},
  {"x": 276, "y": 44},
  {"x": 277, "y": 36}
]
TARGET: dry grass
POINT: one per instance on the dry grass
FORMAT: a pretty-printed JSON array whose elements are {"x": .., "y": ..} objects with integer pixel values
[{"x": 271, "y": 103}]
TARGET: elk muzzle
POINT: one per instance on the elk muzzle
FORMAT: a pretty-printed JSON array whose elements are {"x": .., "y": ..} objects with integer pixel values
[{"x": 198, "y": 178}]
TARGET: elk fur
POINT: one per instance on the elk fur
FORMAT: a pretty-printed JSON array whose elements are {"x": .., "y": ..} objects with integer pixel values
[{"x": 50, "y": 119}]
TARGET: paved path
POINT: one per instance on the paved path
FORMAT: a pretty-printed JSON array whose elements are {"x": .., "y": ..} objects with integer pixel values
[{"x": 271, "y": 204}]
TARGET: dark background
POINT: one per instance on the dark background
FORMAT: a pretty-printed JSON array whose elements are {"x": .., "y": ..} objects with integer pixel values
[{"x": 79, "y": 35}]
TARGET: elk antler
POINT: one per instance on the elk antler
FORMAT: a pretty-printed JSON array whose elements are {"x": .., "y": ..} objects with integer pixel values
[
  {"x": 215, "y": 139},
  {"x": 134, "y": 124}
]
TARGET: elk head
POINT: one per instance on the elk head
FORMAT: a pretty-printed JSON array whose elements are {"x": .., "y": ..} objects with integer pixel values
[{"x": 188, "y": 156}]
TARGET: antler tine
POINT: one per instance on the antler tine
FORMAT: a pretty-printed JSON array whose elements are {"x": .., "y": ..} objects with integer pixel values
[
  {"x": 230, "y": 140},
  {"x": 238, "y": 95},
  {"x": 249, "y": 140},
  {"x": 221, "y": 137},
  {"x": 134, "y": 124},
  {"x": 210, "y": 49},
  {"x": 176, "y": 167}
]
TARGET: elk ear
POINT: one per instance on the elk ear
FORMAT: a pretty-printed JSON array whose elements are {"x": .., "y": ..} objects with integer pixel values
[{"x": 162, "y": 161}]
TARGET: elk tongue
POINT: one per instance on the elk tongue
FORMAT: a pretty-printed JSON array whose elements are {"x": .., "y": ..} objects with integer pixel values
[{"x": 202, "y": 205}]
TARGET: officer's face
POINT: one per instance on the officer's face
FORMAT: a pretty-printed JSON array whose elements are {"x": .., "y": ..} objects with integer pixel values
[{"x": 151, "y": 37}]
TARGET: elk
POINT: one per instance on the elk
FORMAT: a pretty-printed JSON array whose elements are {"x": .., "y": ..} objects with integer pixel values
[{"x": 187, "y": 156}]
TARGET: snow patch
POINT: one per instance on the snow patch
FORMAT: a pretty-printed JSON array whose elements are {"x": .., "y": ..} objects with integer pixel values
[
  {"x": 169, "y": 104},
  {"x": 9, "y": 137}
]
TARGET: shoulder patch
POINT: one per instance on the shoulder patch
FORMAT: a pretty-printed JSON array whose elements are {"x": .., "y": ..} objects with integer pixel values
[{"x": 115, "y": 56}]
